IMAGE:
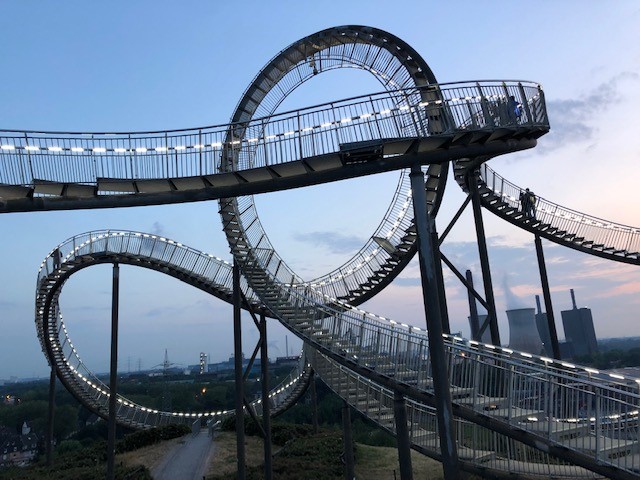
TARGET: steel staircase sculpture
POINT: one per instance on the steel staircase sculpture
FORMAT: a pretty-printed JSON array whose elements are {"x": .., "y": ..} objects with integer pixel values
[
  {"x": 517, "y": 413},
  {"x": 198, "y": 269},
  {"x": 580, "y": 231}
]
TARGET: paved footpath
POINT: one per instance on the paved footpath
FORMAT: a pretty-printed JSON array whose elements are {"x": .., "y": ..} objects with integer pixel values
[{"x": 186, "y": 461}]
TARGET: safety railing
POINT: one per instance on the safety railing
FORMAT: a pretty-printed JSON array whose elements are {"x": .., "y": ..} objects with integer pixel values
[
  {"x": 599, "y": 233},
  {"x": 161, "y": 252},
  {"x": 28, "y": 157},
  {"x": 532, "y": 394},
  {"x": 476, "y": 446}
]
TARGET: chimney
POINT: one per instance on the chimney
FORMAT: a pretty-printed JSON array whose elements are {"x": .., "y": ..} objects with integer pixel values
[
  {"x": 538, "y": 303},
  {"x": 573, "y": 300}
]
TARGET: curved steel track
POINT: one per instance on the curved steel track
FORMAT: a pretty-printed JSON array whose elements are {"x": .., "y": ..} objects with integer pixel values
[{"x": 517, "y": 426}]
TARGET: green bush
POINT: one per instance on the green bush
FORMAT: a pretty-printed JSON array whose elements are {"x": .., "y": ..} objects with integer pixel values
[{"x": 143, "y": 438}]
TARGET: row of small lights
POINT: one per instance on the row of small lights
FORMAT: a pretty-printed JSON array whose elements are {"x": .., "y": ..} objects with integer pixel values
[
  {"x": 546, "y": 360},
  {"x": 101, "y": 236},
  {"x": 392, "y": 322},
  {"x": 364, "y": 263},
  {"x": 125, "y": 402},
  {"x": 217, "y": 145},
  {"x": 570, "y": 216}
]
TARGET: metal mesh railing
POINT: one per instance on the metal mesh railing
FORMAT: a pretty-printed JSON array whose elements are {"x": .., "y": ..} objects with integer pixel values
[
  {"x": 29, "y": 157},
  {"x": 159, "y": 251},
  {"x": 594, "y": 232},
  {"x": 582, "y": 409}
]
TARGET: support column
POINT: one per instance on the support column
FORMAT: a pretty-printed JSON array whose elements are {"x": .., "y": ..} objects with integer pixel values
[
  {"x": 113, "y": 374},
  {"x": 349, "y": 463},
  {"x": 472, "y": 183},
  {"x": 314, "y": 403},
  {"x": 402, "y": 437},
  {"x": 474, "y": 322},
  {"x": 425, "y": 227},
  {"x": 546, "y": 293},
  {"x": 237, "y": 352},
  {"x": 50, "y": 418},
  {"x": 266, "y": 412}
]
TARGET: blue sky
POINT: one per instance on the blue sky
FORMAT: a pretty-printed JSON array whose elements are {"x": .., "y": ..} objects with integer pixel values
[{"x": 145, "y": 65}]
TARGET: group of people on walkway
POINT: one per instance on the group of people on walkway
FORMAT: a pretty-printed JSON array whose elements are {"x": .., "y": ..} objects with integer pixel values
[{"x": 528, "y": 203}]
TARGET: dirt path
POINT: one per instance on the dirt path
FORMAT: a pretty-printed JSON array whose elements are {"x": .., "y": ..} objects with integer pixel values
[{"x": 188, "y": 460}]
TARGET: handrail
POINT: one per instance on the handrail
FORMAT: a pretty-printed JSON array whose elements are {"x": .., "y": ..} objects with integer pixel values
[
  {"x": 614, "y": 236},
  {"x": 375, "y": 344},
  {"x": 72, "y": 254},
  {"x": 28, "y": 158}
]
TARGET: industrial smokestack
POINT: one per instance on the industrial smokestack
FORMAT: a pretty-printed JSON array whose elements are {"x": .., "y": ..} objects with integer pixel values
[
  {"x": 538, "y": 304},
  {"x": 573, "y": 300}
]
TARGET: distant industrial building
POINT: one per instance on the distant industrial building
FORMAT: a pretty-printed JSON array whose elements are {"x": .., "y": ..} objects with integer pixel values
[
  {"x": 578, "y": 329},
  {"x": 204, "y": 365},
  {"x": 523, "y": 334}
]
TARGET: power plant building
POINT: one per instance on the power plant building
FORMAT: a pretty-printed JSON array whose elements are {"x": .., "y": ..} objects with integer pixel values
[{"x": 579, "y": 330}]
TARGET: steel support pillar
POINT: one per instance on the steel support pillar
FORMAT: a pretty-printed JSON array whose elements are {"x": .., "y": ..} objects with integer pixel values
[
  {"x": 349, "y": 463},
  {"x": 237, "y": 352},
  {"x": 50, "y": 418},
  {"x": 425, "y": 226},
  {"x": 402, "y": 437},
  {"x": 546, "y": 293},
  {"x": 474, "y": 322},
  {"x": 472, "y": 184},
  {"x": 113, "y": 374},
  {"x": 266, "y": 413},
  {"x": 314, "y": 403},
  {"x": 442, "y": 296}
]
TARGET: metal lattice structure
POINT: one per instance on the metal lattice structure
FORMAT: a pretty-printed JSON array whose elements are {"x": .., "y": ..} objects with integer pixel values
[{"x": 515, "y": 412}]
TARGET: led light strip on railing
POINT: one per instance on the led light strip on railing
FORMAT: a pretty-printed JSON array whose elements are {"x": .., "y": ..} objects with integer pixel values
[
  {"x": 218, "y": 145},
  {"x": 97, "y": 384},
  {"x": 364, "y": 262},
  {"x": 456, "y": 340},
  {"x": 576, "y": 217},
  {"x": 101, "y": 236}
]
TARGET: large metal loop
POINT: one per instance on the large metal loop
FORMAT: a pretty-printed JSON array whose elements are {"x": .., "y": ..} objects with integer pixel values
[{"x": 396, "y": 66}]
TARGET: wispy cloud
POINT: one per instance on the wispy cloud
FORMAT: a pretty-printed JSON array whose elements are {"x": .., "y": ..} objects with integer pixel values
[
  {"x": 571, "y": 118},
  {"x": 334, "y": 242}
]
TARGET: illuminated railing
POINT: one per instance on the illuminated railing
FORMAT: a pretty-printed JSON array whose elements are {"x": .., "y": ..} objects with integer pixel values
[
  {"x": 543, "y": 397},
  {"x": 593, "y": 232},
  {"x": 27, "y": 157},
  {"x": 161, "y": 251},
  {"x": 526, "y": 392}
]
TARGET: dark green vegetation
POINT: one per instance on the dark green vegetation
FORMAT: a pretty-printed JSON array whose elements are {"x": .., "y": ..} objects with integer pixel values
[
  {"x": 81, "y": 438},
  {"x": 77, "y": 462},
  {"x": 614, "y": 353}
]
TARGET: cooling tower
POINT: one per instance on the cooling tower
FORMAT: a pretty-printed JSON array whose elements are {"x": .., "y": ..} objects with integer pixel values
[{"x": 523, "y": 333}]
